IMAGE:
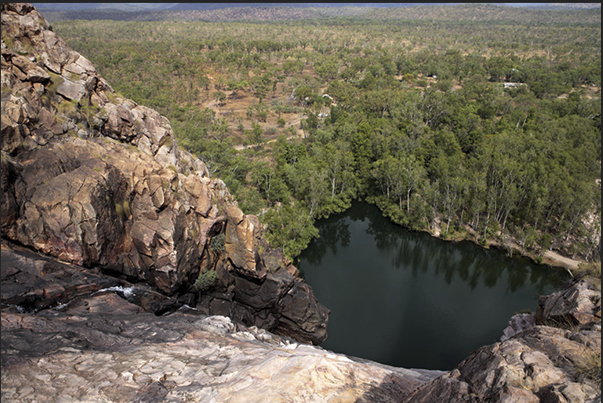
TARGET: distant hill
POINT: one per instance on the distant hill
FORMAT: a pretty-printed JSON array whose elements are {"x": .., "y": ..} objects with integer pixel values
[
  {"x": 45, "y": 7},
  {"x": 216, "y": 6},
  {"x": 195, "y": 11},
  {"x": 206, "y": 6},
  {"x": 567, "y": 6},
  {"x": 551, "y": 6},
  {"x": 222, "y": 12}
]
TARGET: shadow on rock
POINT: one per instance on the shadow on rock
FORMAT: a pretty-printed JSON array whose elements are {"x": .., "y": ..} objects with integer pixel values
[{"x": 392, "y": 389}]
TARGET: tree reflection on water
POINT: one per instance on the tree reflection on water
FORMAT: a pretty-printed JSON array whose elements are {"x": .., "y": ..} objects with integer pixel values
[
  {"x": 389, "y": 288},
  {"x": 420, "y": 252}
]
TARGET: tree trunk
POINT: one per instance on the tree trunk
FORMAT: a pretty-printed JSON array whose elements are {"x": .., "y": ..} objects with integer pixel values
[{"x": 333, "y": 188}]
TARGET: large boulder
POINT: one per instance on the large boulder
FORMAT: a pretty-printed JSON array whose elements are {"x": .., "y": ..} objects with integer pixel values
[
  {"x": 279, "y": 301},
  {"x": 544, "y": 364},
  {"x": 574, "y": 305}
]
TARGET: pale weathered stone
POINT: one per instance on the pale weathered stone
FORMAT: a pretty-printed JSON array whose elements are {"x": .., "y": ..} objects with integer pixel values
[
  {"x": 71, "y": 90},
  {"x": 187, "y": 360},
  {"x": 94, "y": 337}
]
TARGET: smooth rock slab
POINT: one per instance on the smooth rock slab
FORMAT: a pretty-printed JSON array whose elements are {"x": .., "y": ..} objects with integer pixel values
[
  {"x": 178, "y": 358},
  {"x": 71, "y": 90}
]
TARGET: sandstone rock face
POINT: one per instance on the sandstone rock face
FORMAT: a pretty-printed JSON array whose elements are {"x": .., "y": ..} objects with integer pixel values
[
  {"x": 32, "y": 282},
  {"x": 71, "y": 334},
  {"x": 99, "y": 181},
  {"x": 178, "y": 358},
  {"x": 533, "y": 368}
]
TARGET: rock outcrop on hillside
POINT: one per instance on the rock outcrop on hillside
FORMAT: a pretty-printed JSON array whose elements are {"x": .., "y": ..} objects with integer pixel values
[{"x": 96, "y": 180}]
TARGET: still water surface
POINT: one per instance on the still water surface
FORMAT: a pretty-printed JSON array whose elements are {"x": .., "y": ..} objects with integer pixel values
[{"x": 411, "y": 300}]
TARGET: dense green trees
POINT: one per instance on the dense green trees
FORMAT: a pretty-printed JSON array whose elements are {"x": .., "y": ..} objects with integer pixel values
[{"x": 419, "y": 124}]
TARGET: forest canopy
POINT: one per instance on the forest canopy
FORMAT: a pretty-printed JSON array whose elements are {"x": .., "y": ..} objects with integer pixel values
[{"x": 485, "y": 128}]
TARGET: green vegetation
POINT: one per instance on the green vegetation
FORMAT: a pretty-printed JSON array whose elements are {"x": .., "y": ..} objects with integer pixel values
[
  {"x": 123, "y": 209},
  {"x": 206, "y": 280},
  {"x": 68, "y": 108},
  {"x": 411, "y": 113},
  {"x": 216, "y": 244},
  {"x": 590, "y": 368}
]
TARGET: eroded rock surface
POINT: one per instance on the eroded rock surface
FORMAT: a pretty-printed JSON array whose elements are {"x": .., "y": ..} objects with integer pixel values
[
  {"x": 72, "y": 334},
  {"x": 183, "y": 357},
  {"x": 96, "y": 180},
  {"x": 576, "y": 304}
]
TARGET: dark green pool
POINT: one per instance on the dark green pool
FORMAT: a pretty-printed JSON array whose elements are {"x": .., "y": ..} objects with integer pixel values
[{"x": 410, "y": 300}]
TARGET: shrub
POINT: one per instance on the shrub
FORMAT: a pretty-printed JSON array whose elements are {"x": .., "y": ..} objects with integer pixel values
[
  {"x": 589, "y": 368},
  {"x": 445, "y": 85},
  {"x": 281, "y": 122},
  {"x": 119, "y": 210},
  {"x": 55, "y": 81},
  {"x": 68, "y": 108},
  {"x": 126, "y": 207},
  {"x": 9, "y": 42},
  {"x": 545, "y": 241},
  {"x": 216, "y": 244},
  {"x": 123, "y": 209},
  {"x": 592, "y": 273},
  {"x": 206, "y": 280},
  {"x": 169, "y": 141}
]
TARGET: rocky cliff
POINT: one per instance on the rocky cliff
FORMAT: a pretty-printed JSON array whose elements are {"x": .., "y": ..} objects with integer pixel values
[
  {"x": 71, "y": 333},
  {"x": 96, "y": 180}
]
